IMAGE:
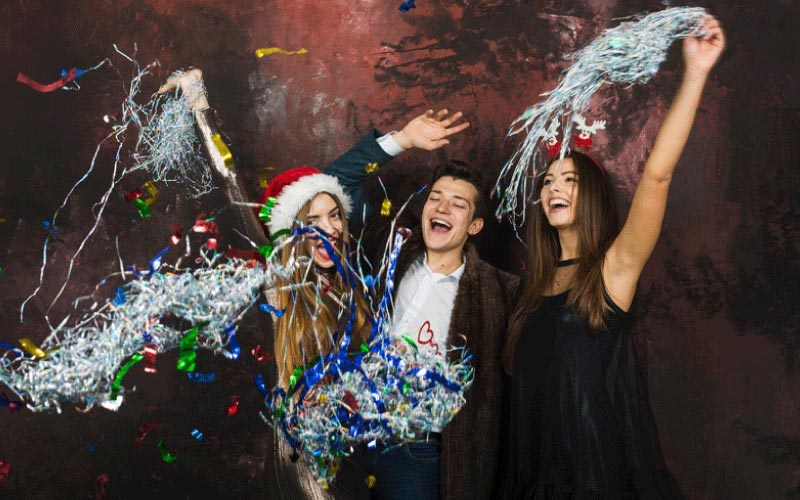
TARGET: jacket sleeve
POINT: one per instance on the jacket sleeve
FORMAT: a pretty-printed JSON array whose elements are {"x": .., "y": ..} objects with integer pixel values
[{"x": 350, "y": 170}]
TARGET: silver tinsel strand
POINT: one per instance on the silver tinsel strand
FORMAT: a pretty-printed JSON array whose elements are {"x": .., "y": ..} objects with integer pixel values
[{"x": 630, "y": 53}]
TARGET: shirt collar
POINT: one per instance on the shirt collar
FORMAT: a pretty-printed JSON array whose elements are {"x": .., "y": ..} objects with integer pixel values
[{"x": 455, "y": 275}]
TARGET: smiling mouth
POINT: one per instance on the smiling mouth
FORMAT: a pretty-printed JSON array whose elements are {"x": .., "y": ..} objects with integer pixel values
[
  {"x": 322, "y": 252},
  {"x": 557, "y": 205},
  {"x": 320, "y": 246},
  {"x": 440, "y": 226}
]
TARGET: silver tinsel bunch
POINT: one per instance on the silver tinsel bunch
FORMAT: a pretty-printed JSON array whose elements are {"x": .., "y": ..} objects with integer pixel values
[
  {"x": 390, "y": 392},
  {"x": 171, "y": 149},
  {"x": 83, "y": 360},
  {"x": 398, "y": 395},
  {"x": 630, "y": 53}
]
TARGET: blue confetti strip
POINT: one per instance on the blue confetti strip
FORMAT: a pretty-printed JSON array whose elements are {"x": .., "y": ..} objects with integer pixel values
[
  {"x": 201, "y": 378},
  {"x": 407, "y": 5}
]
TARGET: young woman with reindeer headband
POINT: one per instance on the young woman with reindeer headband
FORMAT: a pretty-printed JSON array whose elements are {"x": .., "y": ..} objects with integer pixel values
[{"x": 577, "y": 429}]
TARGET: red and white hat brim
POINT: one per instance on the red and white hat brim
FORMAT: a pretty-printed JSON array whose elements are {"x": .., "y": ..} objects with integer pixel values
[{"x": 295, "y": 195}]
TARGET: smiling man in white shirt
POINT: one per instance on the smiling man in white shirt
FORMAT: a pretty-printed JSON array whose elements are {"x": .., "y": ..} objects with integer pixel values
[{"x": 447, "y": 297}]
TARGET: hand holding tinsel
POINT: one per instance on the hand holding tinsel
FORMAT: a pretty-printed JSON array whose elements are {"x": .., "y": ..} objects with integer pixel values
[
  {"x": 191, "y": 84},
  {"x": 700, "y": 53},
  {"x": 629, "y": 54}
]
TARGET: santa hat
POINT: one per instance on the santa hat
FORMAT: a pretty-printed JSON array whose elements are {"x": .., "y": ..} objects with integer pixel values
[{"x": 294, "y": 188}]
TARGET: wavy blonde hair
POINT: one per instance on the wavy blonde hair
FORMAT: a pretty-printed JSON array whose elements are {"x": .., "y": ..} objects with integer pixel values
[{"x": 311, "y": 317}]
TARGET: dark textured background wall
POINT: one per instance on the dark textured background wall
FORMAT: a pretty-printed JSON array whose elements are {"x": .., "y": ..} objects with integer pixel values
[{"x": 719, "y": 298}]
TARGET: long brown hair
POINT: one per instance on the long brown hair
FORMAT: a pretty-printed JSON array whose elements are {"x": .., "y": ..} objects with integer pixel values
[
  {"x": 597, "y": 221},
  {"x": 311, "y": 316}
]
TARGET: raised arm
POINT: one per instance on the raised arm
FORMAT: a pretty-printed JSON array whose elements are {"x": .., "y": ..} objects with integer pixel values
[
  {"x": 427, "y": 131},
  {"x": 629, "y": 253},
  {"x": 225, "y": 173}
]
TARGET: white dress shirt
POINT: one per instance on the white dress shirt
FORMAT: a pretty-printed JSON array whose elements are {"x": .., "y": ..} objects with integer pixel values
[{"x": 424, "y": 305}]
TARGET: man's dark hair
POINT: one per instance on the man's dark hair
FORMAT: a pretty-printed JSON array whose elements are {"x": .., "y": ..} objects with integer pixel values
[{"x": 464, "y": 171}]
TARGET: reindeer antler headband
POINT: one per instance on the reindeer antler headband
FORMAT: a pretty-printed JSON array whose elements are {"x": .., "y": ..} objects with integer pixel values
[{"x": 582, "y": 140}]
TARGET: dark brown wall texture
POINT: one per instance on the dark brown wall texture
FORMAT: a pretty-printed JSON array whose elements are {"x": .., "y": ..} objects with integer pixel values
[{"x": 719, "y": 298}]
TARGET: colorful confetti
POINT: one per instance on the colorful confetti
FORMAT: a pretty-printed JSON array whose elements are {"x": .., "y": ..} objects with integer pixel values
[
  {"x": 386, "y": 207},
  {"x": 260, "y": 354},
  {"x": 407, "y": 5},
  {"x": 222, "y": 149},
  {"x": 122, "y": 371},
  {"x": 101, "y": 486},
  {"x": 277, "y": 50},
  {"x": 66, "y": 78},
  {"x": 188, "y": 351},
  {"x": 5, "y": 469},
  {"x": 271, "y": 310},
  {"x": 166, "y": 456},
  {"x": 202, "y": 378},
  {"x": 144, "y": 430},
  {"x": 150, "y": 352},
  {"x": 233, "y": 407},
  {"x": 166, "y": 146},
  {"x": 31, "y": 347}
]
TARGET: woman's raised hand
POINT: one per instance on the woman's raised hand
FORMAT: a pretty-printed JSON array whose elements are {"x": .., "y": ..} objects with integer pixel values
[{"x": 702, "y": 52}]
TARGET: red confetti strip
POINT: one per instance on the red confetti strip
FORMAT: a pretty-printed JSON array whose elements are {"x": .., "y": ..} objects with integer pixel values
[
  {"x": 204, "y": 226},
  {"x": 136, "y": 193},
  {"x": 40, "y": 87},
  {"x": 211, "y": 243},
  {"x": 144, "y": 430},
  {"x": 4, "y": 470},
  {"x": 351, "y": 401},
  {"x": 177, "y": 235},
  {"x": 13, "y": 406},
  {"x": 100, "y": 486},
  {"x": 260, "y": 354},
  {"x": 150, "y": 352},
  {"x": 233, "y": 408}
]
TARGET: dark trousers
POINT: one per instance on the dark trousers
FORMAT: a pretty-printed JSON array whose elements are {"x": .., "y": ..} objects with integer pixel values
[{"x": 407, "y": 472}]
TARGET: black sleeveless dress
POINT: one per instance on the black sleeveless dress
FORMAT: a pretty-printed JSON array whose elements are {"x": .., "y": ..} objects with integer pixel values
[{"x": 581, "y": 426}]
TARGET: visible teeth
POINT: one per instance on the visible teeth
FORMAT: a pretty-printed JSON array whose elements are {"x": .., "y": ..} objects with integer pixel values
[
  {"x": 441, "y": 223},
  {"x": 558, "y": 203}
]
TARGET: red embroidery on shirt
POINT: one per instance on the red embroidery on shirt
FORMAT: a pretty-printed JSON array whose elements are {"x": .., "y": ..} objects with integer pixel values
[{"x": 429, "y": 336}]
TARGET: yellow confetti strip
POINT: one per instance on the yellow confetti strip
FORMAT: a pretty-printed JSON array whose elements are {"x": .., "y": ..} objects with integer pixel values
[
  {"x": 31, "y": 347},
  {"x": 371, "y": 167},
  {"x": 386, "y": 207},
  {"x": 227, "y": 157},
  {"x": 262, "y": 176},
  {"x": 277, "y": 50},
  {"x": 371, "y": 481},
  {"x": 151, "y": 190}
]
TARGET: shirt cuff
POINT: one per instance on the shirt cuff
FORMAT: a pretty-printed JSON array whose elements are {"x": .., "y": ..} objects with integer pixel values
[{"x": 389, "y": 145}]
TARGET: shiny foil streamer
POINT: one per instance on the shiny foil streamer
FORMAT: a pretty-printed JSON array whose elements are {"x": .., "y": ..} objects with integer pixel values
[
  {"x": 168, "y": 146},
  {"x": 158, "y": 137},
  {"x": 630, "y": 53},
  {"x": 89, "y": 354},
  {"x": 388, "y": 392}
]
